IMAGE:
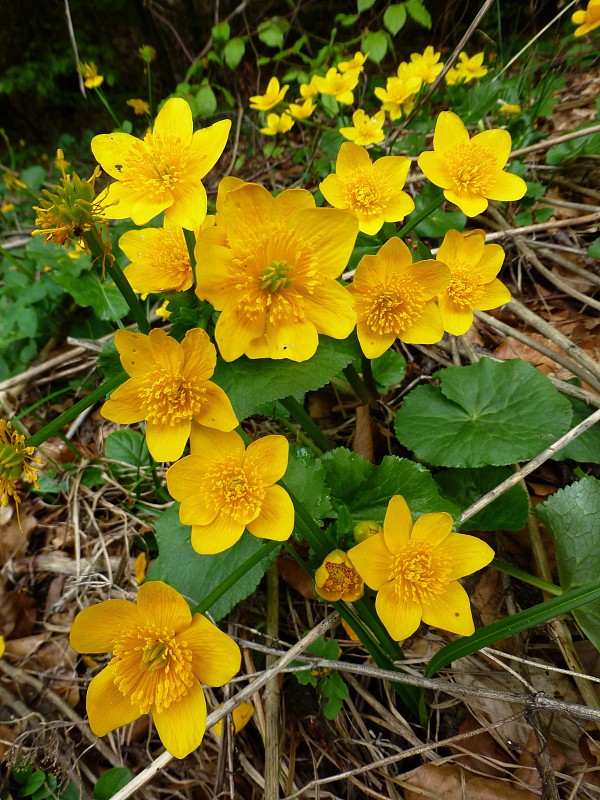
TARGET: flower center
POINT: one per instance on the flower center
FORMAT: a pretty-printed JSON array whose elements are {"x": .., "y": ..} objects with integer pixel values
[
  {"x": 341, "y": 578},
  {"x": 392, "y": 307},
  {"x": 156, "y": 165},
  {"x": 171, "y": 260},
  {"x": 168, "y": 398},
  {"x": 275, "y": 277},
  {"x": 420, "y": 574},
  {"x": 462, "y": 291},
  {"x": 472, "y": 168},
  {"x": 234, "y": 489},
  {"x": 364, "y": 195}
]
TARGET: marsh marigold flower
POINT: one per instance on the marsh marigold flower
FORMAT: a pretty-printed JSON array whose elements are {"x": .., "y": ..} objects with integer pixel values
[
  {"x": 17, "y": 462},
  {"x": 89, "y": 73},
  {"x": 336, "y": 579},
  {"x": 309, "y": 89},
  {"x": 169, "y": 387},
  {"x": 277, "y": 124},
  {"x": 467, "y": 69},
  {"x": 415, "y": 569},
  {"x": 365, "y": 529},
  {"x": 270, "y": 267},
  {"x": 161, "y": 656},
  {"x": 587, "y": 20},
  {"x": 395, "y": 299},
  {"x": 164, "y": 170},
  {"x": 510, "y": 109},
  {"x": 370, "y": 191},
  {"x": 398, "y": 96},
  {"x": 225, "y": 488},
  {"x": 427, "y": 65},
  {"x": 160, "y": 260},
  {"x": 140, "y": 107},
  {"x": 240, "y": 717},
  {"x": 340, "y": 85},
  {"x": 365, "y": 129},
  {"x": 302, "y": 110},
  {"x": 473, "y": 267},
  {"x": 470, "y": 170},
  {"x": 273, "y": 96},
  {"x": 356, "y": 62}
]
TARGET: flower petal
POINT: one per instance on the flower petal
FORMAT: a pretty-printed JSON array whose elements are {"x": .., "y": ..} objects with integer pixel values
[
  {"x": 207, "y": 147},
  {"x": 184, "y": 477},
  {"x": 181, "y": 726},
  {"x": 235, "y": 332},
  {"x": 428, "y": 328},
  {"x": 161, "y": 605},
  {"x": 167, "y": 442},
  {"x": 174, "y": 121},
  {"x": 333, "y": 190},
  {"x": 189, "y": 205},
  {"x": 269, "y": 457},
  {"x": 352, "y": 158},
  {"x": 111, "y": 149},
  {"x": 331, "y": 234},
  {"x": 199, "y": 355},
  {"x": 449, "y": 134},
  {"x": 373, "y": 344},
  {"x": 292, "y": 200},
  {"x": 507, "y": 186},
  {"x": 397, "y": 525},
  {"x": 465, "y": 554},
  {"x": 216, "y": 658},
  {"x": 144, "y": 207},
  {"x": 215, "y": 262},
  {"x": 372, "y": 560},
  {"x": 297, "y": 341},
  {"x": 435, "y": 168},
  {"x": 432, "y": 528},
  {"x": 124, "y": 405},
  {"x": 490, "y": 263},
  {"x": 331, "y": 310},
  {"x": 456, "y": 319},
  {"x": 450, "y": 611},
  {"x": 95, "y": 629},
  {"x": 219, "y": 535},
  {"x": 469, "y": 203},
  {"x": 495, "y": 294},
  {"x": 194, "y": 510},
  {"x": 135, "y": 352},
  {"x": 107, "y": 708},
  {"x": 400, "y": 615},
  {"x": 276, "y": 518},
  {"x": 166, "y": 351},
  {"x": 210, "y": 445},
  {"x": 497, "y": 142},
  {"x": 217, "y": 411}
]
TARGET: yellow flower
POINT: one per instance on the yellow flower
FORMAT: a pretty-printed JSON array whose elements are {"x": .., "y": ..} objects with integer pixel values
[
  {"x": 1, "y": 646},
  {"x": 470, "y": 170},
  {"x": 240, "y": 717},
  {"x": 356, "y": 62},
  {"x": 309, "y": 89},
  {"x": 270, "y": 267},
  {"x": 169, "y": 387},
  {"x": 340, "y": 85},
  {"x": 414, "y": 570},
  {"x": 468, "y": 69},
  {"x": 510, "y": 108},
  {"x": 587, "y": 20},
  {"x": 277, "y": 124},
  {"x": 273, "y": 96},
  {"x": 301, "y": 110},
  {"x": 371, "y": 191},
  {"x": 162, "y": 171},
  {"x": 365, "y": 529},
  {"x": 140, "y": 565},
  {"x": 224, "y": 488},
  {"x": 5, "y": 208},
  {"x": 336, "y": 579},
  {"x": 139, "y": 107},
  {"x": 395, "y": 299},
  {"x": 147, "y": 53},
  {"x": 161, "y": 656},
  {"x": 89, "y": 73},
  {"x": 365, "y": 129},
  {"x": 160, "y": 259},
  {"x": 452, "y": 76},
  {"x": 12, "y": 181},
  {"x": 17, "y": 462},
  {"x": 426, "y": 66},
  {"x": 162, "y": 311},
  {"x": 473, "y": 266},
  {"x": 398, "y": 96}
]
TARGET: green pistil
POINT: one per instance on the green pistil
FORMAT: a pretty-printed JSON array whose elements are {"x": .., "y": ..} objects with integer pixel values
[{"x": 275, "y": 276}]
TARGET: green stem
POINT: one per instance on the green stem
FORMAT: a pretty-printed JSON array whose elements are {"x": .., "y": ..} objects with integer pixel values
[
  {"x": 367, "y": 612},
  {"x": 293, "y": 407},
  {"x": 190, "y": 241},
  {"x": 301, "y": 436},
  {"x": 107, "y": 106},
  {"x": 527, "y": 577},
  {"x": 368, "y": 379},
  {"x": 357, "y": 384},
  {"x": 414, "y": 219},
  {"x": 72, "y": 413},
  {"x": 235, "y": 576}
]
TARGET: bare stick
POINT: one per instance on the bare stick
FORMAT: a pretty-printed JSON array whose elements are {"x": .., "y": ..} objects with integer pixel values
[
  {"x": 547, "y": 143},
  {"x": 74, "y": 46}
]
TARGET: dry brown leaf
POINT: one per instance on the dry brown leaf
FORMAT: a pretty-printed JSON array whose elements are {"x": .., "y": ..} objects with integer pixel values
[
  {"x": 488, "y": 597},
  {"x": 363, "y": 434},
  {"x": 450, "y": 782},
  {"x": 483, "y": 747},
  {"x": 527, "y": 772},
  {"x": 13, "y": 540},
  {"x": 18, "y": 613},
  {"x": 293, "y": 574}
]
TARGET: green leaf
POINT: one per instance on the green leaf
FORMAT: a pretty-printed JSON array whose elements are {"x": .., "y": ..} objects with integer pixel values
[
  {"x": 594, "y": 249},
  {"x": 394, "y": 18},
  {"x": 345, "y": 20},
  {"x": 109, "y": 783},
  {"x": 375, "y": 43},
  {"x": 34, "y": 781},
  {"x": 250, "y": 383},
  {"x": 584, "y": 145},
  {"x": 196, "y": 576},
  {"x": 206, "y": 102},
  {"x": 272, "y": 31},
  {"x": 127, "y": 446},
  {"x": 365, "y": 490},
  {"x": 585, "y": 448},
  {"x": 34, "y": 177},
  {"x": 305, "y": 477},
  {"x": 419, "y": 13},
  {"x": 335, "y": 691},
  {"x": 573, "y": 516},
  {"x": 89, "y": 291},
  {"x": 364, "y": 5},
  {"x": 388, "y": 370},
  {"x": 109, "y": 360},
  {"x": 514, "y": 624},
  {"x": 465, "y": 486},
  {"x": 487, "y": 413},
  {"x": 439, "y": 222},
  {"x": 221, "y": 32},
  {"x": 233, "y": 52}
]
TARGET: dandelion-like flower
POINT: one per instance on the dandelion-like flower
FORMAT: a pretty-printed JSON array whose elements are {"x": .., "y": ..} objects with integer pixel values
[
  {"x": 415, "y": 569},
  {"x": 473, "y": 266},
  {"x": 340, "y": 85},
  {"x": 470, "y": 170},
  {"x": 224, "y": 488},
  {"x": 370, "y": 191},
  {"x": 398, "y": 96},
  {"x": 336, "y": 579},
  {"x": 273, "y": 96},
  {"x": 169, "y": 387},
  {"x": 395, "y": 299},
  {"x": 427, "y": 65},
  {"x": 160, "y": 260},
  {"x": 89, "y": 73},
  {"x": 270, "y": 267},
  {"x": 587, "y": 20},
  {"x": 277, "y": 124},
  {"x": 17, "y": 462},
  {"x": 365, "y": 129},
  {"x": 161, "y": 656},
  {"x": 164, "y": 170}
]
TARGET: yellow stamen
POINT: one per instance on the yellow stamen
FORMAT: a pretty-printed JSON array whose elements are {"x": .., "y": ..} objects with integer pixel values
[
  {"x": 392, "y": 307},
  {"x": 420, "y": 574},
  {"x": 168, "y": 398},
  {"x": 472, "y": 168},
  {"x": 235, "y": 489}
]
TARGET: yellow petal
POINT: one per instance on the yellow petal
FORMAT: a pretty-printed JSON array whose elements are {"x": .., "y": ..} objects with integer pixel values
[
  {"x": 235, "y": 333},
  {"x": 195, "y": 510},
  {"x": 373, "y": 344},
  {"x": 188, "y": 209},
  {"x": 268, "y": 456},
  {"x": 95, "y": 629},
  {"x": 507, "y": 187},
  {"x": 199, "y": 355},
  {"x": 435, "y": 168},
  {"x": 166, "y": 351},
  {"x": 432, "y": 528},
  {"x": 276, "y": 517},
  {"x": 497, "y": 142},
  {"x": 209, "y": 444},
  {"x": 216, "y": 658},
  {"x": 449, "y": 134},
  {"x": 167, "y": 442},
  {"x": 184, "y": 477},
  {"x": 292, "y": 200},
  {"x": 400, "y": 615},
  {"x": 451, "y": 247},
  {"x": 174, "y": 121},
  {"x": 144, "y": 206},
  {"x": 207, "y": 146},
  {"x": 181, "y": 726},
  {"x": 217, "y": 536},
  {"x": 297, "y": 341},
  {"x": 213, "y": 277},
  {"x": 217, "y": 411},
  {"x": 450, "y": 611},
  {"x": 456, "y": 319},
  {"x": 352, "y": 158},
  {"x": 135, "y": 352},
  {"x": 331, "y": 310},
  {"x": 428, "y": 329},
  {"x": 397, "y": 525},
  {"x": 495, "y": 294},
  {"x": 139, "y": 245},
  {"x": 372, "y": 559},
  {"x": 124, "y": 406},
  {"x": 333, "y": 190},
  {"x": 107, "y": 708},
  {"x": 469, "y": 203},
  {"x": 110, "y": 150},
  {"x": 465, "y": 554},
  {"x": 249, "y": 206},
  {"x": 161, "y": 605},
  {"x": 331, "y": 233},
  {"x": 489, "y": 264},
  {"x": 393, "y": 170}
]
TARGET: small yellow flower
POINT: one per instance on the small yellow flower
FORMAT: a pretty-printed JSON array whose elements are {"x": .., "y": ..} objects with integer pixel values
[
  {"x": 468, "y": 69},
  {"x": 277, "y": 124},
  {"x": 427, "y": 65},
  {"x": 340, "y": 85},
  {"x": 169, "y": 387},
  {"x": 89, "y": 73},
  {"x": 147, "y": 53},
  {"x": 336, "y": 579},
  {"x": 357, "y": 62},
  {"x": 164, "y": 170},
  {"x": 162, "y": 311},
  {"x": 224, "y": 489},
  {"x": 309, "y": 89},
  {"x": 160, "y": 260},
  {"x": 240, "y": 717},
  {"x": 452, "y": 76},
  {"x": 270, "y": 267},
  {"x": 302, "y": 110},
  {"x": 365, "y": 129},
  {"x": 365, "y": 529},
  {"x": 510, "y": 109},
  {"x": 370, "y": 191},
  {"x": 140, "y": 107},
  {"x": 398, "y": 96},
  {"x": 5, "y": 208},
  {"x": 161, "y": 656},
  {"x": 395, "y": 299},
  {"x": 473, "y": 266},
  {"x": 17, "y": 462},
  {"x": 587, "y": 20},
  {"x": 273, "y": 96},
  {"x": 470, "y": 170},
  {"x": 12, "y": 181},
  {"x": 140, "y": 565},
  {"x": 415, "y": 569}
]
